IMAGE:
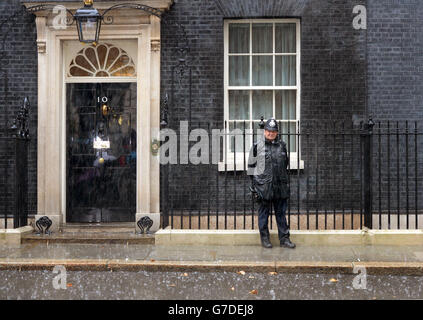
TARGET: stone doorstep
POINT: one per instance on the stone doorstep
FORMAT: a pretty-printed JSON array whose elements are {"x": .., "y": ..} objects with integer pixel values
[
  {"x": 90, "y": 238},
  {"x": 73, "y": 228},
  {"x": 13, "y": 236},
  {"x": 374, "y": 268},
  {"x": 312, "y": 237}
]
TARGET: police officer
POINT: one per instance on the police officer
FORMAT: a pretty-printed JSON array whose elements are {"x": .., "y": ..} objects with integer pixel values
[{"x": 268, "y": 162}]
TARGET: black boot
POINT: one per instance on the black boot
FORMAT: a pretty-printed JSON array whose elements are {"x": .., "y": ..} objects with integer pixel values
[
  {"x": 265, "y": 240},
  {"x": 285, "y": 242}
]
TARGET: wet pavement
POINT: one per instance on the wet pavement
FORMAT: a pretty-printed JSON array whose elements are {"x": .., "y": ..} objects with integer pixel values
[
  {"x": 136, "y": 252},
  {"x": 120, "y": 271},
  {"x": 39, "y": 284}
]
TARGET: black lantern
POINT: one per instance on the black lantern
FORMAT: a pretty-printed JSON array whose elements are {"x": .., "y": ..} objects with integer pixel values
[{"x": 88, "y": 22}]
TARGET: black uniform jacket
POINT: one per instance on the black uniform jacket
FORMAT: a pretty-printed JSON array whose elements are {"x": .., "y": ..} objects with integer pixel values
[{"x": 267, "y": 167}]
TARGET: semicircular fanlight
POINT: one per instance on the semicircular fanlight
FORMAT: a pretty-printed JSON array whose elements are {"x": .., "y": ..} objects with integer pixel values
[{"x": 103, "y": 60}]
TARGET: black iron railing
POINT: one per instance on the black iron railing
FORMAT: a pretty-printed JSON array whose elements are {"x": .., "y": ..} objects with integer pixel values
[
  {"x": 14, "y": 141},
  {"x": 342, "y": 175}
]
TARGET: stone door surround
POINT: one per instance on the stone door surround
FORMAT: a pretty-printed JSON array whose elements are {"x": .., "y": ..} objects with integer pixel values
[{"x": 128, "y": 24}]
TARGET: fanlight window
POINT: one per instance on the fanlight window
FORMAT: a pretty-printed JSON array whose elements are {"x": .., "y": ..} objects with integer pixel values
[{"x": 104, "y": 60}]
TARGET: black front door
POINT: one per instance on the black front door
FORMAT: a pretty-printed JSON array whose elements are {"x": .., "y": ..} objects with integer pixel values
[{"x": 101, "y": 152}]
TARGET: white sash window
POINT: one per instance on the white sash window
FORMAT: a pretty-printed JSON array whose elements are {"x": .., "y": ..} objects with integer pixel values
[{"x": 262, "y": 78}]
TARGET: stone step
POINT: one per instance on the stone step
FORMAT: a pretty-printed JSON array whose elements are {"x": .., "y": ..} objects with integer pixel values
[
  {"x": 90, "y": 237},
  {"x": 125, "y": 227}
]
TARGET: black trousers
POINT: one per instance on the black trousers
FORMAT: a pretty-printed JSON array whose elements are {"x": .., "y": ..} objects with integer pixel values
[{"x": 280, "y": 206}]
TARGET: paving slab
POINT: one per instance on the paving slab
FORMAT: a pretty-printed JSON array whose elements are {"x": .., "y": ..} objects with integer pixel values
[
  {"x": 253, "y": 253},
  {"x": 388, "y": 253},
  {"x": 379, "y": 259},
  {"x": 79, "y": 251},
  {"x": 5, "y": 251}
]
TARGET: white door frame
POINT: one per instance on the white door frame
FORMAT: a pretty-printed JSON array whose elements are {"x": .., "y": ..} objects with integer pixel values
[
  {"x": 52, "y": 110},
  {"x": 69, "y": 56}
]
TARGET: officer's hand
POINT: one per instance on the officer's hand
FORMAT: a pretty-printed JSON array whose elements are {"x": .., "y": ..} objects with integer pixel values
[{"x": 255, "y": 195}]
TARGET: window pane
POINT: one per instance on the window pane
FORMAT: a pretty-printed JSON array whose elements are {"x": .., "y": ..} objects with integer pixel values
[
  {"x": 285, "y": 38},
  {"x": 262, "y": 38},
  {"x": 262, "y": 70},
  {"x": 239, "y": 105},
  {"x": 285, "y": 104},
  {"x": 239, "y": 38},
  {"x": 236, "y": 138},
  {"x": 291, "y": 145},
  {"x": 262, "y": 104},
  {"x": 239, "y": 71},
  {"x": 285, "y": 70}
]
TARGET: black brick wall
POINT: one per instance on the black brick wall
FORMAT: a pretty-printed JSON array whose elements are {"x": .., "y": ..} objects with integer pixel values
[
  {"x": 18, "y": 74},
  {"x": 395, "y": 59},
  {"x": 335, "y": 86},
  {"x": 395, "y": 93},
  {"x": 333, "y": 66},
  {"x": 333, "y": 83}
]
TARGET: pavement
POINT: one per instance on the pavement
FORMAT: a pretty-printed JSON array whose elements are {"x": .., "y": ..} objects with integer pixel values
[{"x": 376, "y": 259}]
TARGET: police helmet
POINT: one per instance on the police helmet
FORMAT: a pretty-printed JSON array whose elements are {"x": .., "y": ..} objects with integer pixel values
[{"x": 271, "y": 125}]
